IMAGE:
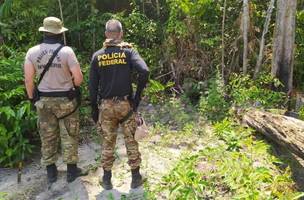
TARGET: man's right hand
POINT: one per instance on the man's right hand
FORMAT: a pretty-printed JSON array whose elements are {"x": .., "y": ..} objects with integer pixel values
[{"x": 32, "y": 102}]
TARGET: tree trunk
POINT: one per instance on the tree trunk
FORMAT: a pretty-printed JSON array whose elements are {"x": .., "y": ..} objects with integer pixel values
[
  {"x": 77, "y": 20},
  {"x": 262, "y": 44},
  {"x": 223, "y": 41},
  {"x": 157, "y": 8},
  {"x": 61, "y": 15},
  {"x": 1, "y": 40},
  {"x": 245, "y": 34},
  {"x": 283, "y": 46},
  {"x": 286, "y": 131}
]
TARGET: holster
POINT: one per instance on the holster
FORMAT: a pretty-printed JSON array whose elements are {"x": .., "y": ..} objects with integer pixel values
[{"x": 75, "y": 93}]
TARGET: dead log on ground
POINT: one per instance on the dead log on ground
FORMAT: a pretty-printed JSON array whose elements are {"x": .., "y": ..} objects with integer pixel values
[{"x": 286, "y": 131}]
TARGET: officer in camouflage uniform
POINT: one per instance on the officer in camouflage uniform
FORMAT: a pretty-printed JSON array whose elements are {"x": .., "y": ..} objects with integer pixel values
[
  {"x": 112, "y": 99},
  {"x": 63, "y": 76}
]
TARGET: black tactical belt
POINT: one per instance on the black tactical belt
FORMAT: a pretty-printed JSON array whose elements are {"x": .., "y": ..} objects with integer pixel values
[
  {"x": 123, "y": 98},
  {"x": 54, "y": 94}
]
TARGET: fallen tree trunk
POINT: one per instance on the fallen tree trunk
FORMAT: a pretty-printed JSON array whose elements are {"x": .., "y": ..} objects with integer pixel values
[{"x": 286, "y": 131}]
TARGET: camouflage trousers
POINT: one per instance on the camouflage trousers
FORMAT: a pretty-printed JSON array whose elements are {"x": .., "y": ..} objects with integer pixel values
[
  {"x": 54, "y": 131},
  {"x": 110, "y": 114}
]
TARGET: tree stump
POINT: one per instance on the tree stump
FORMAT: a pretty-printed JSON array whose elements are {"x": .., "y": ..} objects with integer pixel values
[{"x": 286, "y": 131}]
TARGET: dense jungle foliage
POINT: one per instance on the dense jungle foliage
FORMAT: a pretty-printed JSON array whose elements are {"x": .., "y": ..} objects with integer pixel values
[{"x": 181, "y": 41}]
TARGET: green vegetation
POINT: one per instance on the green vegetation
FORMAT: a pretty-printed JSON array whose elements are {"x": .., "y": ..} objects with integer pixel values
[
  {"x": 238, "y": 167},
  {"x": 234, "y": 163},
  {"x": 181, "y": 41},
  {"x": 246, "y": 92},
  {"x": 17, "y": 121}
]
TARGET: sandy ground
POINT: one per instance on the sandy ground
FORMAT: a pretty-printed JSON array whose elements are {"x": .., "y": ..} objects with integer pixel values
[
  {"x": 158, "y": 158},
  {"x": 160, "y": 153}
]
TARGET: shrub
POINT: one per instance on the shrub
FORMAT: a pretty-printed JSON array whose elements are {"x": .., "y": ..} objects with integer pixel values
[
  {"x": 17, "y": 121},
  {"x": 213, "y": 104},
  {"x": 245, "y": 91},
  {"x": 156, "y": 91}
]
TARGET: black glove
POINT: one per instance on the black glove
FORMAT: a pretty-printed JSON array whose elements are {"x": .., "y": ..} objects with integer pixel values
[
  {"x": 95, "y": 113},
  {"x": 136, "y": 100}
]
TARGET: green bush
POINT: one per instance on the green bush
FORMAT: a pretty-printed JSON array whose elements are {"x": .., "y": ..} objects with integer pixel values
[
  {"x": 213, "y": 104},
  {"x": 156, "y": 91},
  {"x": 185, "y": 181},
  {"x": 226, "y": 131},
  {"x": 173, "y": 112},
  {"x": 246, "y": 92},
  {"x": 301, "y": 113},
  {"x": 17, "y": 121}
]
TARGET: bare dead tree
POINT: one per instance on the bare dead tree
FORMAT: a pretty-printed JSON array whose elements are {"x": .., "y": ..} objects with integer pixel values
[
  {"x": 223, "y": 41},
  {"x": 77, "y": 19},
  {"x": 245, "y": 34},
  {"x": 284, "y": 43},
  {"x": 93, "y": 10},
  {"x": 61, "y": 15},
  {"x": 157, "y": 7},
  {"x": 262, "y": 43}
]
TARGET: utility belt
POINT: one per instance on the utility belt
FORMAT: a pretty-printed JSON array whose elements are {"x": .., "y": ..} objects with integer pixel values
[
  {"x": 73, "y": 93},
  {"x": 54, "y": 94},
  {"x": 117, "y": 98}
]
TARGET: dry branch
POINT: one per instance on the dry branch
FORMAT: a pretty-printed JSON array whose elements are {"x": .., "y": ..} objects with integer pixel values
[{"x": 223, "y": 41}]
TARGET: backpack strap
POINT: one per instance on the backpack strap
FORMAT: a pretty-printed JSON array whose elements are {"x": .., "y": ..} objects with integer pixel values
[{"x": 48, "y": 65}]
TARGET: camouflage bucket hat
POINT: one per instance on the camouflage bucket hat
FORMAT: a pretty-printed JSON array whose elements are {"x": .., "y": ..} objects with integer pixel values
[{"x": 52, "y": 25}]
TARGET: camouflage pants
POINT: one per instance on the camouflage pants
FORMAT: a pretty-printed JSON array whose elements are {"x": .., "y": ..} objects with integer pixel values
[
  {"x": 54, "y": 131},
  {"x": 111, "y": 112}
]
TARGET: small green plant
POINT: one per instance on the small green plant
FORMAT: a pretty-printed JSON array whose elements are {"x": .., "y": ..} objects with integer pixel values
[
  {"x": 3, "y": 196},
  {"x": 301, "y": 113},
  {"x": 185, "y": 181},
  {"x": 231, "y": 136},
  {"x": 213, "y": 104},
  {"x": 156, "y": 90}
]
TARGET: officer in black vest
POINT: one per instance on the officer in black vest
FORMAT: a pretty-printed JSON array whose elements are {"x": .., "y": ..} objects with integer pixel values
[{"x": 112, "y": 98}]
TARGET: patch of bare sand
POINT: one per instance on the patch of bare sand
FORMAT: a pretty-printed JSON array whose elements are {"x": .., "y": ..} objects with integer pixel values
[{"x": 158, "y": 158}]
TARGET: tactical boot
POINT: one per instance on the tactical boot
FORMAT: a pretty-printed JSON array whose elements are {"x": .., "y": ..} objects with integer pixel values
[
  {"x": 51, "y": 173},
  {"x": 73, "y": 172},
  {"x": 106, "y": 180},
  {"x": 137, "y": 179}
]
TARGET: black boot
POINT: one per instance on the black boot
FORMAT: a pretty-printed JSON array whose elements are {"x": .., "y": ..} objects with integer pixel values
[
  {"x": 51, "y": 173},
  {"x": 73, "y": 172},
  {"x": 106, "y": 180},
  {"x": 136, "y": 178}
]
